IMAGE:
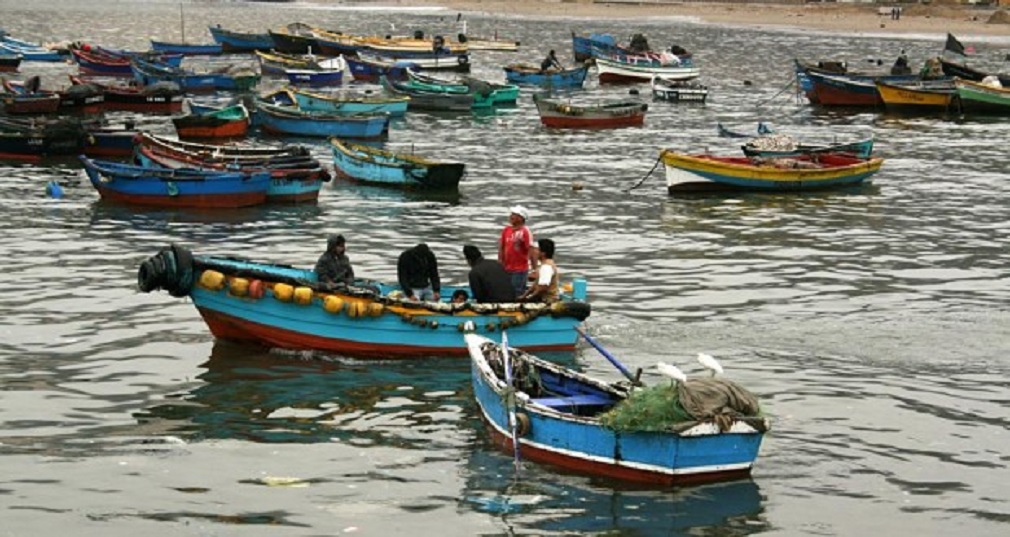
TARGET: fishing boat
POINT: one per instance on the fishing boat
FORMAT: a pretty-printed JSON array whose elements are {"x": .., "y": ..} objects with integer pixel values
[
  {"x": 841, "y": 90},
  {"x": 365, "y": 70},
  {"x": 426, "y": 60},
  {"x": 30, "y": 103},
  {"x": 295, "y": 176},
  {"x": 372, "y": 165},
  {"x": 225, "y": 122},
  {"x": 423, "y": 99},
  {"x": 543, "y": 412},
  {"x": 919, "y": 96},
  {"x": 981, "y": 98},
  {"x": 294, "y": 38},
  {"x": 106, "y": 140},
  {"x": 560, "y": 114},
  {"x": 693, "y": 173},
  {"x": 165, "y": 187},
  {"x": 100, "y": 61},
  {"x": 31, "y": 140},
  {"x": 805, "y": 71},
  {"x": 9, "y": 62},
  {"x": 77, "y": 99},
  {"x": 231, "y": 78},
  {"x": 530, "y": 75},
  {"x": 30, "y": 52},
  {"x": 159, "y": 98},
  {"x": 966, "y": 72},
  {"x": 680, "y": 91},
  {"x": 276, "y": 63},
  {"x": 232, "y": 41},
  {"x": 348, "y": 104},
  {"x": 286, "y": 120},
  {"x": 329, "y": 72},
  {"x": 726, "y": 132},
  {"x": 187, "y": 49},
  {"x": 488, "y": 43},
  {"x": 784, "y": 145},
  {"x": 282, "y": 306},
  {"x": 632, "y": 69},
  {"x": 485, "y": 93}
]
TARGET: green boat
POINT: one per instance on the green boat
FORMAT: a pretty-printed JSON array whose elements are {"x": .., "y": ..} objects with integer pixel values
[
  {"x": 486, "y": 94},
  {"x": 976, "y": 97}
]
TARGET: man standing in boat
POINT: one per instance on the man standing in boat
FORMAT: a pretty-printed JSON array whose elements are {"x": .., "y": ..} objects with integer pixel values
[
  {"x": 551, "y": 62},
  {"x": 515, "y": 246},
  {"x": 545, "y": 287},
  {"x": 333, "y": 267},
  {"x": 417, "y": 272},
  {"x": 488, "y": 280}
]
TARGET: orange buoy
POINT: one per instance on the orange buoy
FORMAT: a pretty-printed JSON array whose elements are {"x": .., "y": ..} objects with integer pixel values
[
  {"x": 283, "y": 292},
  {"x": 303, "y": 295},
  {"x": 212, "y": 279},
  {"x": 257, "y": 289},
  {"x": 333, "y": 304},
  {"x": 375, "y": 309}
]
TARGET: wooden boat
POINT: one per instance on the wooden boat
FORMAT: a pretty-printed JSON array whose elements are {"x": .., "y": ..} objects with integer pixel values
[
  {"x": 226, "y": 122},
  {"x": 164, "y": 187},
  {"x": 372, "y": 165},
  {"x": 365, "y": 70},
  {"x": 680, "y": 91},
  {"x": 783, "y": 145},
  {"x": 488, "y": 43},
  {"x": 839, "y": 69},
  {"x": 282, "y": 306},
  {"x": 31, "y": 140},
  {"x": 104, "y": 140},
  {"x": 919, "y": 96},
  {"x": 632, "y": 69},
  {"x": 348, "y": 104},
  {"x": 186, "y": 49},
  {"x": 976, "y": 97},
  {"x": 329, "y": 72},
  {"x": 430, "y": 100},
  {"x": 75, "y": 99},
  {"x": 837, "y": 90},
  {"x": 232, "y": 41},
  {"x": 692, "y": 173},
  {"x": 30, "y": 52},
  {"x": 9, "y": 62},
  {"x": 530, "y": 75},
  {"x": 31, "y": 103},
  {"x": 163, "y": 97},
  {"x": 294, "y": 38},
  {"x": 227, "y": 79},
  {"x": 276, "y": 63},
  {"x": 588, "y": 48},
  {"x": 546, "y": 413},
  {"x": 726, "y": 132},
  {"x": 559, "y": 114},
  {"x": 282, "y": 120},
  {"x": 99, "y": 61},
  {"x": 962, "y": 70},
  {"x": 485, "y": 93},
  {"x": 295, "y": 175},
  {"x": 425, "y": 61},
  {"x": 337, "y": 44}
]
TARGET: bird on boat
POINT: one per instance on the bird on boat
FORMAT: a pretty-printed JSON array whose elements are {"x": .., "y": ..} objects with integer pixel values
[
  {"x": 671, "y": 371},
  {"x": 710, "y": 363}
]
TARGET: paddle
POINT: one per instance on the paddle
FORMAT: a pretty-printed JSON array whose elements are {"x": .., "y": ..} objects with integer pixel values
[
  {"x": 606, "y": 354},
  {"x": 510, "y": 398}
]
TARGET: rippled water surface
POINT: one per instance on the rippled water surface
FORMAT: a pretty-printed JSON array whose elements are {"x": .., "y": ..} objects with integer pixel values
[{"x": 871, "y": 322}]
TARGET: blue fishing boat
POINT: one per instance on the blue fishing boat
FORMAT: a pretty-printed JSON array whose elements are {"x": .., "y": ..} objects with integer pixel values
[
  {"x": 588, "y": 47},
  {"x": 186, "y": 49},
  {"x": 347, "y": 104},
  {"x": 165, "y": 187},
  {"x": 238, "y": 79},
  {"x": 31, "y": 52},
  {"x": 543, "y": 412},
  {"x": 281, "y": 306},
  {"x": 232, "y": 41},
  {"x": 366, "y": 70},
  {"x": 286, "y": 120},
  {"x": 529, "y": 75},
  {"x": 372, "y": 165},
  {"x": 328, "y": 72},
  {"x": 425, "y": 99}
]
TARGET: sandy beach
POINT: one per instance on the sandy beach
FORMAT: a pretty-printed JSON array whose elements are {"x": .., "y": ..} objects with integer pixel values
[{"x": 963, "y": 21}]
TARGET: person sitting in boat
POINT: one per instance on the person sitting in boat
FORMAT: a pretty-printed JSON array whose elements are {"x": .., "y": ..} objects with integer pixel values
[
  {"x": 438, "y": 45},
  {"x": 900, "y": 66},
  {"x": 417, "y": 272},
  {"x": 488, "y": 280},
  {"x": 545, "y": 286},
  {"x": 333, "y": 267},
  {"x": 551, "y": 62},
  {"x": 460, "y": 296}
]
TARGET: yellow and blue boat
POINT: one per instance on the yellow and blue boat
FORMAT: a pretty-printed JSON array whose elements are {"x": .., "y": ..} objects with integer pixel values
[{"x": 693, "y": 173}]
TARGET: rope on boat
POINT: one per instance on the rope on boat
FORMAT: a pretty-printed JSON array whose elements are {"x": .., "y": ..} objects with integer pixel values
[
  {"x": 646, "y": 176},
  {"x": 787, "y": 86}
]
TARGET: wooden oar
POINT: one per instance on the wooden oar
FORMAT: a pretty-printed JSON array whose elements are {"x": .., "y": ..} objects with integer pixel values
[
  {"x": 511, "y": 399},
  {"x": 606, "y": 354}
]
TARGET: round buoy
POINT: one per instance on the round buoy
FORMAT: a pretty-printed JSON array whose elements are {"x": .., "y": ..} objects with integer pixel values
[
  {"x": 283, "y": 292},
  {"x": 375, "y": 309},
  {"x": 333, "y": 304},
  {"x": 576, "y": 186},
  {"x": 212, "y": 279},
  {"x": 303, "y": 295},
  {"x": 239, "y": 286},
  {"x": 257, "y": 289}
]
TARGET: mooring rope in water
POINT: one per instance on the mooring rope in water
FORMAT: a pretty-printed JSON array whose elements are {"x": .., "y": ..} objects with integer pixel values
[
  {"x": 646, "y": 176},
  {"x": 779, "y": 92}
]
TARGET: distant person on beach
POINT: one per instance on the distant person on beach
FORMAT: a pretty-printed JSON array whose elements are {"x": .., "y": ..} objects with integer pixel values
[
  {"x": 417, "y": 273},
  {"x": 333, "y": 267},
  {"x": 488, "y": 280},
  {"x": 551, "y": 62}
]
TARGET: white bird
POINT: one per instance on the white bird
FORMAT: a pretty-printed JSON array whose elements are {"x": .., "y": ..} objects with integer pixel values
[
  {"x": 708, "y": 362},
  {"x": 671, "y": 371}
]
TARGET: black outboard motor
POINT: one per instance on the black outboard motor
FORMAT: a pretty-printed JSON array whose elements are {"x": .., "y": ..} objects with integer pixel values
[{"x": 418, "y": 34}]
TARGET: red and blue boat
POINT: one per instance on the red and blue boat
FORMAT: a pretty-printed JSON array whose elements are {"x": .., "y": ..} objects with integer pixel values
[
  {"x": 281, "y": 306},
  {"x": 165, "y": 187},
  {"x": 543, "y": 412}
]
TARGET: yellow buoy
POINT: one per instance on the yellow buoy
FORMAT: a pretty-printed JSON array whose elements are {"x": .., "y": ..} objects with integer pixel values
[
  {"x": 303, "y": 295},
  {"x": 357, "y": 308},
  {"x": 283, "y": 292},
  {"x": 375, "y": 309},
  {"x": 239, "y": 286},
  {"x": 333, "y": 304},
  {"x": 212, "y": 279}
]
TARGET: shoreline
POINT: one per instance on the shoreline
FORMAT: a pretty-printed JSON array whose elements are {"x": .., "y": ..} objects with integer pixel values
[{"x": 966, "y": 22}]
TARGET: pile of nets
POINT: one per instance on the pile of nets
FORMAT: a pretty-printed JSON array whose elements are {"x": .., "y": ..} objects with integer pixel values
[{"x": 676, "y": 407}]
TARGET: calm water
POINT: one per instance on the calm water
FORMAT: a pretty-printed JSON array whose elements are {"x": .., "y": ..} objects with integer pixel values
[{"x": 872, "y": 322}]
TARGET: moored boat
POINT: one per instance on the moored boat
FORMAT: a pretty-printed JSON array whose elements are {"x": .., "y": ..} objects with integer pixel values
[
  {"x": 918, "y": 96},
  {"x": 421, "y": 99},
  {"x": 372, "y": 165},
  {"x": 981, "y": 98},
  {"x": 9, "y": 62},
  {"x": 186, "y": 49},
  {"x": 632, "y": 69},
  {"x": 232, "y": 41},
  {"x": 693, "y": 173},
  {"x": 226, "y": 122},
  {"x": 680, "y": 91},
  {"x": 232, "y": 78},
  {"x": 162, "y": 97},
  {"x": 294, "y": 38},
  {"x": 165, "y": 187},
  {"x": 784, "y": 145},
  {"x": 705, "y": 430},
  {"x": 348, "y": 104},
  {"x": 559, "y": 114},
  {"x": 284, "y": 120},
  {"x": 285, "y": 307},
  {"x": 31, "y": 140},
  {"x": 329, "y": 72},
  {"x": 530, "y": 75}
]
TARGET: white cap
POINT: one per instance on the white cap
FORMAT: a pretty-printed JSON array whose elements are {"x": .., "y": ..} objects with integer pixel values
[{"x": 521, "y": 211}]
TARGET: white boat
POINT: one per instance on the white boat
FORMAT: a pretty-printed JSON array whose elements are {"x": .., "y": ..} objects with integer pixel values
[
  {"x": 678, "y": 90},
  {"x": 643, "y": 69}
]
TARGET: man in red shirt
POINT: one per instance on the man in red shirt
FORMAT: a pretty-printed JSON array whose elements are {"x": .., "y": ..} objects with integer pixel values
[{"x": 514, "y": 248}]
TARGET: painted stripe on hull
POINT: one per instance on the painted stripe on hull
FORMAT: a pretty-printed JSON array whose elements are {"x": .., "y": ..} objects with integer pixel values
[
  {"x": 566, "y": 122},
  {"x": 202, "y": 201},
  {"x": 232, "y": 328}
]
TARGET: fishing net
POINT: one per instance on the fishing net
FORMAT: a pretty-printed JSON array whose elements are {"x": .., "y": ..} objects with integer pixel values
[{"x": 675, "y": 407}]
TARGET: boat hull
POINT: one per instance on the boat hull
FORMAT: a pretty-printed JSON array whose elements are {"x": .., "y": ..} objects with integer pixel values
[
  {"x": 629, "y": 72},
  {"x": 319, "y": 125},
  {"x": 531, "y": 76},
  {"x": 687, "y": 173},
  {"x": 370, "y": 165},
  {"x": 912, "y": 98},
  {"x": 558, "y": 115},
  {"x": 973, "y": 97}
]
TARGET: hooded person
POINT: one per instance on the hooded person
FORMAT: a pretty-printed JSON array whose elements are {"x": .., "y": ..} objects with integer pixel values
[
  {"x": 333, "y": 267},
  {"x": 515, "y": 247},
  {"x": 488, "y": 280},
  {"x": 417, "y": 273}
]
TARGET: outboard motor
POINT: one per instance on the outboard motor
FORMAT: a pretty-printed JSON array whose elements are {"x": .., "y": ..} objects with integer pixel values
[{"x": 418, "y": 34}]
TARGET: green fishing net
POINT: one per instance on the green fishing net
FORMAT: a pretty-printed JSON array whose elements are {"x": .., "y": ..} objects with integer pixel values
[
  {"x": 673, "y": 407},
  {"x": 656, "y": 408}
]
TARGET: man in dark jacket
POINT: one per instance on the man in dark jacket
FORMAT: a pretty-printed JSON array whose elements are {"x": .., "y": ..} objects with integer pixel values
[
  {"x": 488, "y": 280},
  {"x": 333, "y": 267},
  {"x": 417, "y": 272}
]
